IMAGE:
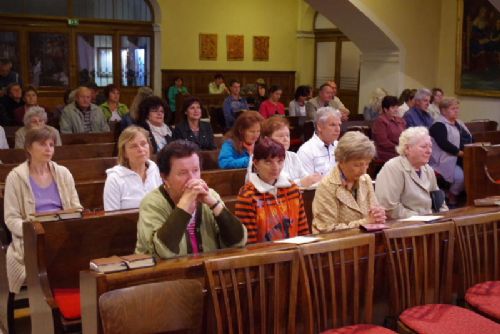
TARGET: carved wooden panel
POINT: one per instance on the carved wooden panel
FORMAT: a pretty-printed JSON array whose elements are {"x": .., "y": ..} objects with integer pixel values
[
  {"x": 235, "y": 47},
  {"x": 261, "y": 48},
  {"x": 208, "y": 46}
]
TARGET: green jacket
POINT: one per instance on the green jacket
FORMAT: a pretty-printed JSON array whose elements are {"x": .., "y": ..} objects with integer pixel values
[
  {"x": 122, "y": 110},
  {"x": 161, "y": 229}
]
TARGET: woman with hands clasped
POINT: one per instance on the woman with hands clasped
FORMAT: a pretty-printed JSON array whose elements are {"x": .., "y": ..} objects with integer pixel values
[
  {"x": 184, "y": 216},
  {"x": 346, "y": 198}
]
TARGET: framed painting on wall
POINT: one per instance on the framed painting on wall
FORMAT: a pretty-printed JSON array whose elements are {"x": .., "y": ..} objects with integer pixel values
[
  {"x": 478, "y": 49},
  {"x": 235, "y": 47},
  {"x": 208, "y": 46},
  {"x": 261, "y": 48}
]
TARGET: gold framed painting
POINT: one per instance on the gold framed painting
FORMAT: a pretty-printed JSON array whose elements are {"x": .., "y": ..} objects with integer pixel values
[
  {"x": 477, "y": 66},
  {"x": 235, "y": 47},
  {"x": 261, "y": 48},
  {"x": 208, "y": 46}
]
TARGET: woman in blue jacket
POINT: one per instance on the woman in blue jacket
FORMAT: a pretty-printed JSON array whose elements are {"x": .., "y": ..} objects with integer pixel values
[{"x": 237, "y": 149}]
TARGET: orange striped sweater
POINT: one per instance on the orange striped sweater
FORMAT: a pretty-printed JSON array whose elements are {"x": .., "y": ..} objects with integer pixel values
[{"x": 269, "y": 218}]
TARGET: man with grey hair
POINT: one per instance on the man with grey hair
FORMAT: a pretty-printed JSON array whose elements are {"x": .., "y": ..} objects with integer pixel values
[
  {"x": 418, "y": 115},
  {"x": 81, "y": 116},
  {"x": 318, "y": 153}
]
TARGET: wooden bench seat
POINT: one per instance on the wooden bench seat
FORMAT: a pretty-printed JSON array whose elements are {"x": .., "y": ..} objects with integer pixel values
[
  {"x": 481, "y": 171},
  {"x": 55, "y": 253},
  {"x": 65, "y": 152}
]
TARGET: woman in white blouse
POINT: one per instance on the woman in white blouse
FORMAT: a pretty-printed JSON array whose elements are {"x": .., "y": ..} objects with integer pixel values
[
  {"x": 135, "y": 175},
  {"x": 278, "y": 129}
]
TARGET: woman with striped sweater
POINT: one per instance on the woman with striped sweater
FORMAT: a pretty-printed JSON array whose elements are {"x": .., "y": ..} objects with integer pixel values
[{"x": 269, "y": 205}]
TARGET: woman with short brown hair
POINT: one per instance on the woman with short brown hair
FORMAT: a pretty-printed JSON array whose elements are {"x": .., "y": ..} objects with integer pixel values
[{"x": 37, "y": 185}]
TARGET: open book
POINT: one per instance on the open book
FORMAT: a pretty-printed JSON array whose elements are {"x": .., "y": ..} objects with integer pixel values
[{"x": 56, "y": 215}]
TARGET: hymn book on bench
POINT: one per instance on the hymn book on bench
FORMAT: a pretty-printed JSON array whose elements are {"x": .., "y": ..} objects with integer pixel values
[
  {"x": 56, "y": 215},
  {"x": 121, "y": 263}
]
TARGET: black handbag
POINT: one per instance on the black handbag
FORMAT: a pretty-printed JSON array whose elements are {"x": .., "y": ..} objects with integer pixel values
[{"x": 437, "y": 198}]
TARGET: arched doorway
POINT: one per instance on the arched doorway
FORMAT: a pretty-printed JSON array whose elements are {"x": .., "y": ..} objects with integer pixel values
[{"x": 382, "y": 54}]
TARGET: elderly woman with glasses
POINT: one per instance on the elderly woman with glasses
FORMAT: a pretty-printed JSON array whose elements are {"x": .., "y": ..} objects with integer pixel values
[{"x": 34, "y": 118}]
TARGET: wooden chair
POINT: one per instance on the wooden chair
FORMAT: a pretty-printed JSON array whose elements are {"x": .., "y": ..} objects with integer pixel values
[
  {"x": 477, "y": 241},
  {"x": 421, "y": 264},
  {"x": 153, "y": 308},
  {"x": 254, "y": 293},
  {"x": 339, "y": 274}
]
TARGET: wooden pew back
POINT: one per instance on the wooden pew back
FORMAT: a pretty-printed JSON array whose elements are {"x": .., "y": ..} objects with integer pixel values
[
  {"x": 81, "y": 169},
  {"x": 65, "y": 152},
  {"x": 67, "y": 246},
  {"x": 492, "y": 137},
  {"x": 56, "y": 252},
  {"x": 477, "y": 181},
  {"x": 87, "y": 138},
  {"x": 225, "y": 182}
]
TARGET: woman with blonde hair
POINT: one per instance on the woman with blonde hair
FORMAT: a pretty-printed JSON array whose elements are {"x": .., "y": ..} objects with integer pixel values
[
  {"x": 135, "y": 175},
  {"x": 345, "y": 198}
]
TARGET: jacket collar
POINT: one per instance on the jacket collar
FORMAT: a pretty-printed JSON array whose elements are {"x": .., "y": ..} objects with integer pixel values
[
  {"x": 23, "y": 170},
  {"x": 264, "y": 187},
  {"x": 413, "y": 174},
  {"x": 344, "y": 195}
]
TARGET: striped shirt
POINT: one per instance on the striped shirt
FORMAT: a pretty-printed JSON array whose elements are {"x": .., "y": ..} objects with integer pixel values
[{"x": 268, "y": 217}]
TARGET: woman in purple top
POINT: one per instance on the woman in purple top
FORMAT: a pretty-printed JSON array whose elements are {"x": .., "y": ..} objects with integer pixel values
[
  {"x": 387, "y": 128},
  {"x": 36, "y": 185}
]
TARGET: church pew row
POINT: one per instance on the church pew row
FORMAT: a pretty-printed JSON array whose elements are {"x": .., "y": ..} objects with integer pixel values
[
  {"x": 481, "y": 171},
  {"x": 94, "y": 284},
  {"x": 84, "y": 169},
  {"x": 112, "y": 233},
  {"x": 69, "y": 138},
  {"x": 65, "y": 152}
]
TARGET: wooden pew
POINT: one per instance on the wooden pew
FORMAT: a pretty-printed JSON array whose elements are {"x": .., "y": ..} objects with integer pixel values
[
  {"x": 94, "y": 284},
  {"x": 87, "y": 138},
  {"x": 492, "y": 137},
  {"x": 55, "y": 253},
  {"x": 81, "y": 169},
  {"x": 65, "y": 152},
  {"x": 481, "y": 171},
  {"x": 481, "y": 125},
  {"x": 209, "y": 159}
]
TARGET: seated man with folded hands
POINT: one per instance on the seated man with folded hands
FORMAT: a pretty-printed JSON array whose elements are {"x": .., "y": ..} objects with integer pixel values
[{"x": 184, "y": 216}]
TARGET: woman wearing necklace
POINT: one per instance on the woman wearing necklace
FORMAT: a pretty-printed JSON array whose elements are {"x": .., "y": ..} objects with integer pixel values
[
  {"x": 184, "y": 216},
  {"x": 345, "y": 198},
  {"x": 192, "y": 128},
  {"x": 37, "y": 185},
  {"x": 135, "y": 175},
  {"x": 270, "y": 206},
  {"x": 152, "y": 118}
]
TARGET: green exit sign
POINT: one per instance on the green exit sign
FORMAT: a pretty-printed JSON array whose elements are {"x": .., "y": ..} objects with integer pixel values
[{"x": 73, "y": 22}]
